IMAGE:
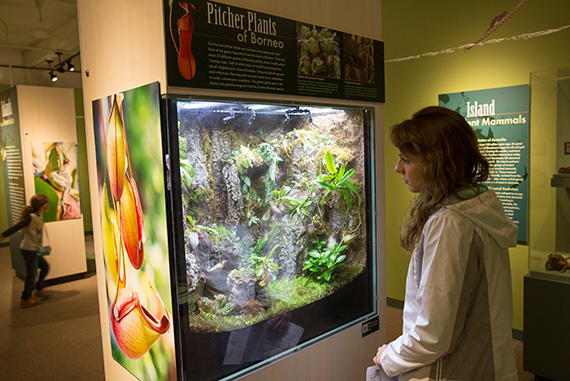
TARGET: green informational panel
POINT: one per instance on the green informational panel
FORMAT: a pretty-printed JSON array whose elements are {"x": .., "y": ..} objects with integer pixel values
[
  {"x": 500, "y": 119},
  {"x": 11, "y": 156}
]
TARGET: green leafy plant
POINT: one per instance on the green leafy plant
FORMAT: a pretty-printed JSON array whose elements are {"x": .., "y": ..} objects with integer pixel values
[
  {"x": 275, "y": 202},
  {"x": 322, "y": 261},
  {"x": 198, "y": 233},
  {"x": 280, "y": 198},
  {"x": 337, "y": 180},
  {"x": 268, "y": 153},
  {"x": 218, "y": 306},
  {"x": 262, "y": 265},
  {"x": 245, "y": 158},
  {"x": 251, "y": 218},
  {"x": 299, "y": 207},
  {"x": 186, "y": 169},
  {"x": 314, "y": 139}
]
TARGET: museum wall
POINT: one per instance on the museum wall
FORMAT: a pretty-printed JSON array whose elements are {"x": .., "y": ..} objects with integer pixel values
[
  {"x": 429, "y": 59},
  {"x": 82, "y": 162}
]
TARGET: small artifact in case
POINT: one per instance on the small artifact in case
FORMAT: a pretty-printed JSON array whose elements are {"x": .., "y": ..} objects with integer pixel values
[{"x": 557, "y": 262}]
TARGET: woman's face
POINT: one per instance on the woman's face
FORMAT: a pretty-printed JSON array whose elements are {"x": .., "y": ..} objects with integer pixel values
[{"x": 411, "y": 168}]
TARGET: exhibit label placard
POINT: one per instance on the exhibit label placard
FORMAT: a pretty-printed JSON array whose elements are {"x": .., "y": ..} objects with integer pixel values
[
  {"x": 218, "y": 46},
  {"x": 500, "y": 118},
  {"x": 11, "y": 155}
]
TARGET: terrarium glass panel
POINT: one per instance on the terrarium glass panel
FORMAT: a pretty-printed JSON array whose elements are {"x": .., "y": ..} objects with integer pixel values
[{"x": 275, "y": 212}]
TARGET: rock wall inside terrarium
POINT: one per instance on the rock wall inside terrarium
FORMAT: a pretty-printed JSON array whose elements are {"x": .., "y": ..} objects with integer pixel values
[{"x": 274, "y": 208}]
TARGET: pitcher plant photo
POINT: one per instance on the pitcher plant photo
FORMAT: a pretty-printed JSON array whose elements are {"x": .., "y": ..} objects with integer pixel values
[{"x": 137, "y": 273}]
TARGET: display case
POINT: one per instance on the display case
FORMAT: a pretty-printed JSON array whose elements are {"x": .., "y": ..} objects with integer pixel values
[
  {"x": 272, "y": 228},
  {"x": 550, "y": 164},
  {"x": 547, "y": 285}
]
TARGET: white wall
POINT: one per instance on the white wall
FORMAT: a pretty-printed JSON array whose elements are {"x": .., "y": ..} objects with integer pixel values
[
  {"x": 48, "y": 115},
  {"x": 122, "y": 47}
]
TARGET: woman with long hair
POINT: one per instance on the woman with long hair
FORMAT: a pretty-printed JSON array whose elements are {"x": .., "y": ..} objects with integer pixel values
[
  {"x": 457, "y": 319},
  {"x": 32, "y": 224}
]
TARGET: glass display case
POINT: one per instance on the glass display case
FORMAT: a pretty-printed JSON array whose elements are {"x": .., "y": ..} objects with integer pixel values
[
  {"x": 550, "y": 163},
  {"x": 273, "y": 228},
  {"x": 547, "y": 286}
]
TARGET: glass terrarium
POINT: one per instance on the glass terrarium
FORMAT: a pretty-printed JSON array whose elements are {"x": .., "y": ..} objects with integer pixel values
[{"x": 273, "y": 228}]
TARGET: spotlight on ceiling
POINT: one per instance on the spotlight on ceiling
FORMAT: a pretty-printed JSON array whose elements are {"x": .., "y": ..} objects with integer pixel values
[
  {"x": 52, "y": 76},
  {"x": 70, "y": 66}
]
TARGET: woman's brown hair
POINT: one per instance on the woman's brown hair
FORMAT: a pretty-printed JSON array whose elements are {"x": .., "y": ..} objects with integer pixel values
[
  {"x": 36, "y": 203},
  {"x": 448, "y": 147}
]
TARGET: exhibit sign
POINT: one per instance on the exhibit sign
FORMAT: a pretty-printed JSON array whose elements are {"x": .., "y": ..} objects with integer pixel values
[
  {"x": 500, "y": 118},
  {"x": 13, "y": 168},
  {"x": 134, "y": 231},
  {"x": 218, "y": 46},
  {"x": 55, "y": 175}
]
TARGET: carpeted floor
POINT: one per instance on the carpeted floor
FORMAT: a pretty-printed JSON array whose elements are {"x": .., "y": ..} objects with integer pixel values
[
  {"x": 61, "y": 338},
  {"x": 57, "y": 340}
]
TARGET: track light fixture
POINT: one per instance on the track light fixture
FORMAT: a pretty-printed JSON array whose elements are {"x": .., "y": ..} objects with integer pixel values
[
  {"x": 62, "y": 65},
  {"x": 52, "y": 76},
  {"x": 59, "y": 66}
]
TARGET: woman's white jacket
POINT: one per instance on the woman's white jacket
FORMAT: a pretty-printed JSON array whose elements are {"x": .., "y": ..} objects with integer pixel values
[{"x": 458, "y": 312}]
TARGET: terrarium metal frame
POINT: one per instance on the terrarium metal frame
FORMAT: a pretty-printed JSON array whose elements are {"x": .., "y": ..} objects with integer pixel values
[{"x": 272, "y": 218}]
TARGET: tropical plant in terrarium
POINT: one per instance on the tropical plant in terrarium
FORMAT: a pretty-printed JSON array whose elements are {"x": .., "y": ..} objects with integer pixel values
[
  {"x": 323, "y": 260},
  {"x": 275, "y": 204},
  {"x": 245, "y": 158},
  {"x": 337, "y": 180},
  {"x": 299, "y": 206},
  {"x": 217, "y": 306},
  {"x": 268, "y": 151},
  {"x": 263, "y": 265},
  {"x": 186, "y": 169},
  {"x": 314, "y": 139},
  {"x": 195, "y": 232}
]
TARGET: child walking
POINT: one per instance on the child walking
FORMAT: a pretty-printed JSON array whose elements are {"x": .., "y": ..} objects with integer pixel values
[{"x": 32, "y": 224}]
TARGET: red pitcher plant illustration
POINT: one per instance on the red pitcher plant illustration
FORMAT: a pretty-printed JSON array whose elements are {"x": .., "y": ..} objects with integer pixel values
[
  {"x": 186, "y": 60},
  {"x": 135, "y": 328}
]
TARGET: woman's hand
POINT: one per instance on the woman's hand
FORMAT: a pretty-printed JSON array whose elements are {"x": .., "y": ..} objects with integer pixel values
[
  {"x": 2, "y": 237},
  {"x": 376, "y": 358}
]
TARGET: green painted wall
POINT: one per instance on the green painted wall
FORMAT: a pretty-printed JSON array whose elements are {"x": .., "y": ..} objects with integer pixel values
[
  {"x": 414, "y": 27},
  {"x": 84, "y": 176}
]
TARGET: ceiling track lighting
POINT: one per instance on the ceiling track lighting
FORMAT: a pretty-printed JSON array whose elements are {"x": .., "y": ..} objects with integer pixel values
[
  {"x": 61, "y": 65},
  {"x": 52, "y": 76}
]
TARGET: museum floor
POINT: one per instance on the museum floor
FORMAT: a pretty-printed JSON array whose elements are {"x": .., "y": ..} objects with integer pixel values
[{"x": 61, "y": 338}]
